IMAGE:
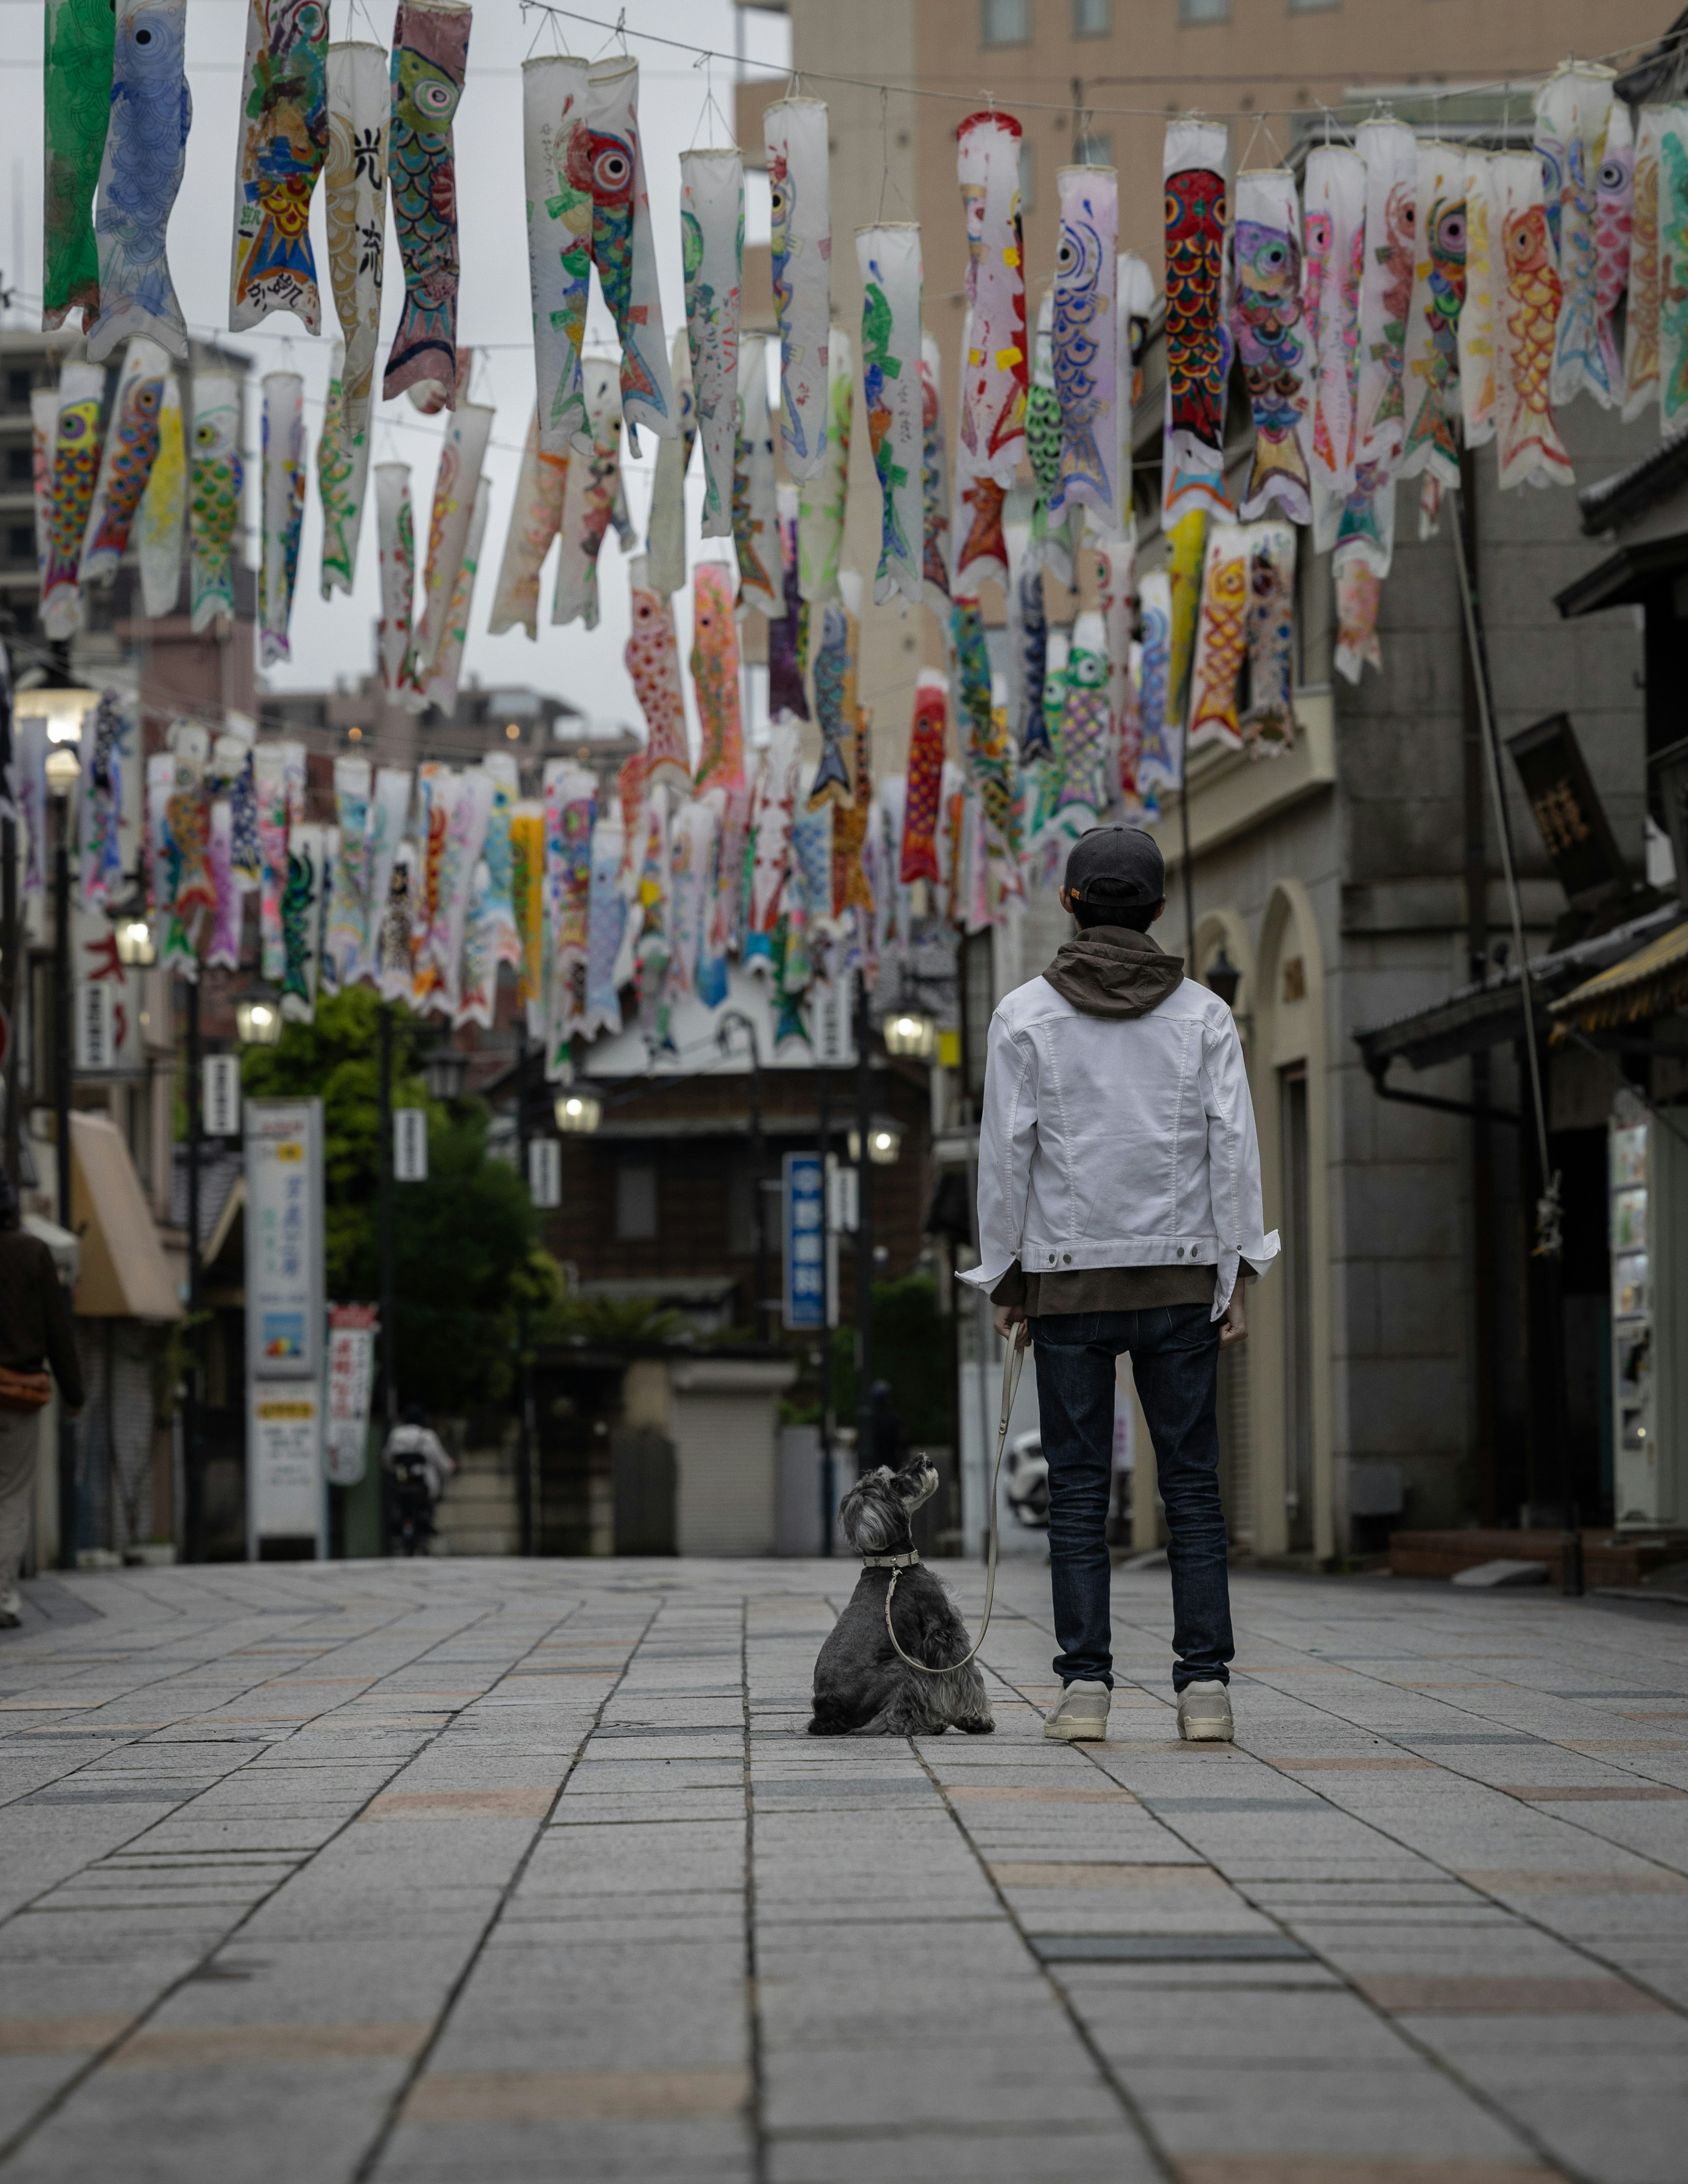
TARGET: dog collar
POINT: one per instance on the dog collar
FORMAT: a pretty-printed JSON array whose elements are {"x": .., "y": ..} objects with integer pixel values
[{"x": 891, "y": 1562}]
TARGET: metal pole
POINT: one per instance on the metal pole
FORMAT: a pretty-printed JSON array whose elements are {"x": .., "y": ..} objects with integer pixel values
[
  {"x": 524, "y": 1454},
  {"x": 865, "y": 1455},
  {"x": 192, "y": 1467},
  {"x": 389, "y": 1328},
  {"x": 828, "y": 1469},
  {"x": 758, "y": 1160},
  {"x": 1188, "y": 873},
  {"x": 68, "y": 1512},
  {"x": 9, "y": 935}
]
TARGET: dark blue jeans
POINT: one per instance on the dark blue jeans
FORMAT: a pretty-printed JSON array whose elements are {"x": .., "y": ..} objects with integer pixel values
[{"x": 1174, "y": 1359}]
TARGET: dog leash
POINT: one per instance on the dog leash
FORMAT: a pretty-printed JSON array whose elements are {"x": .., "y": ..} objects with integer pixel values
[{"x": 1013, "y": 1359}]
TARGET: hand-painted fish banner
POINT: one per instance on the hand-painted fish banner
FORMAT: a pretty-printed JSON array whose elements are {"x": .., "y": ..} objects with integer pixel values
[
  {"x": 528, "y": 902},
  {"x": 1613, "y": 232},
  {"x": 727, "y": 909},
  {"x": 302, "y": 922},
  {"x": 788, "y": 699},
  {"x": 1359, "y": 593},
  {"x": 553, "y": 98},
  {"x": 145, "y": 151},
  {"x": 990, "y": 432},
  {"x": 1116, "y": 586},
  {"x": 132, "y": 447},
  {"x": 988, "y": 757},
  {"x": 1431, "y": 369},
  {"x": 1642, "y": 318},
  {"x": 1572, "y": 109},
  {"x": 1085, "y": 335},
  {"x": 77, "y": 93},
  {"x": 755, "y": 518},
  {"x": 918, "y": 854},
  {"x": 216, "y": 477},
  {"x": 346, "y": 928},
  {"x": 607, "y": 158},
  {"x": 606, "y": 920},
  {"x": 441, "y": 688},
  {"x": 388, "y": 810},
  {"x": 1028, "y": 645},
  {"x": 794, "y": 135},
  {"x": 163, "y": 504},
  {"x": 665, "y": 536},
  {"x": 1673, "y": 268},
  {"x": 75, "y": 464},
  {"x": 100, "y": 857},
  {"x": 505, "y": 776},
  {"x": 934, "y": 482},
  {"x": 835, "y": 702},
  {"x": 590, "y": 494},
  {"x": 277, "y": 769},
  {"x": 283, "y": 141},
  {"x": 652, "y": 659},
  {"x": 222, "y": 952},
  {"x": 282, "y": 496},
  {"x": 772, "y": 812},
  {"x": 822, "y": 499},
  {"x": 1159, "y": 762},
  {"x": 398, "y": 921},
  {"x": 1134, "y": 306},
  {"x": 354, "y": 201},
  {"x": 1477, "y": 317},
  {"x": 1333, "y": 266},
  {"x": 1272, "y": 344},
  {"x": 342, "y": 464},
  {"x": 430, "y": 54},
  {"x": 533, "y": 522},
  {"x": 890, "y": 264},
  {"x": 1184, "y": 563},
  {"x": 1527, "y": 312},
  {"x": 1052, "y": 547},
  {"x": 1364, "y": 528},
  {"x": 1198, "y": 323},
  {"x": 1220, "y": 640},
  {"x": 1390, "y": 152},
  {"x": 712, "y": 244},
  {"x": 462, "y": 457},
  {"x": 395, "y": 530},
  {"x": 1269, "y": 724},
  {"x": 715, "y": 677},
  {"x": 691, "y": 874}
]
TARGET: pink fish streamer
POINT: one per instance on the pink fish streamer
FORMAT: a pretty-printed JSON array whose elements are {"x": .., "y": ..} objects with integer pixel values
[
  {"x": 1334, "y": 240},
  {"x": 533, "y": 522},
  {"x": 1613, "y": 230},
  {"x": 1572, "y": 109},
  {"x": 1390, "y": 152},
  {"x": 1269, "y": 332},
  {"x": 132, "y": 447},
  {"x": 934, "y": 485},
  {"x": 794, "y": 138},
  {"x": 712, "y": 238},
  {"x": 652, "y": 659},
  {"x": 715, "y": 677},
  {"x": 772, "y": 811},
  {"x": 990, "y": 434}
]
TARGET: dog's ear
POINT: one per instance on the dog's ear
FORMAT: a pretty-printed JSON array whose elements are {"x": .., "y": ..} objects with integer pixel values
[
  {"x": 915, "y": 1484},
  {"x": 870, "y": 1519}
]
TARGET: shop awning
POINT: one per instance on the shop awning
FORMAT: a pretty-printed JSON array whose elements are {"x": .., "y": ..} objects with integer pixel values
[
  {"x": 125, "y": 1274},
  {"x": 1652, "y": 982}
]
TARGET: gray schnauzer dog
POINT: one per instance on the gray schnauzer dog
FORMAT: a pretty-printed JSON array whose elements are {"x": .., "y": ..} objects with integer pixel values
[{"x": 862, "y": 1689}]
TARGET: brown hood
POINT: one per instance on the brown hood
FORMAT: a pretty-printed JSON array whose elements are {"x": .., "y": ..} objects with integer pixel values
[{"x": 1112, "y": 972}]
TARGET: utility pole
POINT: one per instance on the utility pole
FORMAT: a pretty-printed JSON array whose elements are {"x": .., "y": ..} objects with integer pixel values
[
  {"x": 865, "y": 1455},
  {"x": 524, "y": 1453},
  {"x": 389, "y": 1328},
  {"x": 68, "y": 1512},
  {"x": 829, "y": 1485},
  {"x": 8, "y": 929},
  {"x": 193, "y": 1470}
]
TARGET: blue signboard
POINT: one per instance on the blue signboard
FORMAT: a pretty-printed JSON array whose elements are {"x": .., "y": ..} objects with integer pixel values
[{"x": 805, "y": 1243}]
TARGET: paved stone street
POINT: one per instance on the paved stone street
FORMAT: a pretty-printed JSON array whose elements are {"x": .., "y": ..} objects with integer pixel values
[{"x": 488, "y": 1873}]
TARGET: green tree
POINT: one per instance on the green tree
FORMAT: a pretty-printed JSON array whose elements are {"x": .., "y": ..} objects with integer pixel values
[
  {"x": 465, "y": 1242},
  {"x": 914, "y": 1350}
]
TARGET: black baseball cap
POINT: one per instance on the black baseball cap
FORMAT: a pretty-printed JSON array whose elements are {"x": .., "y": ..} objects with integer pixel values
[{"x": 1120, "y": 866}]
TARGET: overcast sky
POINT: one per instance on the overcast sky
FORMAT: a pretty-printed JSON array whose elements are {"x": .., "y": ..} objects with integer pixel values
[{"x": 335, "y": 639}]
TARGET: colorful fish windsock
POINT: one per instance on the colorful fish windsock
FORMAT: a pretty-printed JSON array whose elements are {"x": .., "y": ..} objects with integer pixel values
[
  {"x": 1572, "y": 110},
  {"x": 918, "y": 853},
  {"x": 592, "y": 495},
  {"x": 664, "y": 537},
  {"x": 1051, "y": 547},
  {"x": 1086, "y": 377},
  {"x": 822, "y": 499},
  {"x": 430, "y": 54},
  {"x": 553, "y": 96},
  {"x": 455, "y": 483},
  {"x": 990, "y": 432},
  {"x": 1390, "y": 152},
  {"x": 1430, "y": 372},
  {"x": 1185, "y": 563},
  {"x": 1333, "y": 265},
  {"x": 1160, "y": 761},
  {"x": 1028, "y": 645},
  {"x": 652, "y": 658},
  {"x": 889, "y": 259},
  {"x": 388, "y": 809},
  {"x": 715, "y": 677},
  {"x": 215, "y": 476},
  {"x": 787, "y": 698},
  {"x": 342, "y": 463},
  {"x": 835, "y": 702},
  {"x": 533, "y": 522},
  {"x": 607, "y": 159},
  {"x": 145, "y": 151},
  {"x": 1672, "y": 267},
  {"x": 132, "y": 448},
  {"x": 755, "y": 524},
  {"x": 795, "y": 135},
  {"x": 77, "y": 96},
  {"x": 76, "y": 465},
  {"x": 163, "y": 504},
  {"x": 1117, "y": 573},
  {"x": 283, "y": 141},
  {"x": 1269, "y": 724},
  {"x": 712, "y": 243},
  {"x": 1220, "y": 640},
  {"x": 1477, "y": 314},
  {"x": 441, "y": 689},
  {"x": 1134, "y": 305},
  {"x": 1641, "y": 314},
  {"x": 1198, "y": 328},
  {"x": 1613, "y": 234},
  {"x": 346, "y": 926},
  {"x": 395, "y": 529},
  {"x": 282, "y": 495},
  {"x": 354, "y": 201},
  {"x": 934, "y": 484},
  {"x": 1270, "y": 335},
  {"x": 1527, "y": 314}
]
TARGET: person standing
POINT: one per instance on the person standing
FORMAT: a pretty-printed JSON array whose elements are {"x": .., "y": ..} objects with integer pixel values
[
  {"x": 36, "y": 1331},
  {"x": 1119, "y": 1210}
]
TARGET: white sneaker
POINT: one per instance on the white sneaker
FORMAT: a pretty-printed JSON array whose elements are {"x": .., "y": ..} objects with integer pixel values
[
  {"x": 1082, "y": 1715},
  {"x": 11, "y": 1611},
  {"x": 1204, "y": 1714}
]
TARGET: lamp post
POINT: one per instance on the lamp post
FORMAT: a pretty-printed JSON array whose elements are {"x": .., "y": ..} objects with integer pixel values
[
  {"x": 193, "y": 1473},
  {"x": 8, "y": 925},
  {"x": 64, "y": 770},
  {"x": 389, "y": 1331},
  {"x": 734, "y": 1020},
  {"x": 865, "y": 1456}
]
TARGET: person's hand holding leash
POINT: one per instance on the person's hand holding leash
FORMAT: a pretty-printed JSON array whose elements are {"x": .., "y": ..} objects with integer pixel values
[
  {"x": 1235, "y": 1327},
  {"x": 1006, "y": 1318}
]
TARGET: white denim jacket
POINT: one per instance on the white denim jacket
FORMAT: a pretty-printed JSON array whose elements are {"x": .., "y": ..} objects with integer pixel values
[{"x": 1119, "y": 1142}]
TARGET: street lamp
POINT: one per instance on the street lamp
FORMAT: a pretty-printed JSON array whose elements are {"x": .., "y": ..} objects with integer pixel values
[
  {"x": 134, "y": 947},
  {"x": 63, "y": 706},
  {"x": 578, "y": 1114},
  {"x": 1223, "y": 978},
  {"x": 884, "y": 1144},
  {"x": 256, "y": 1022},
  {"x": 910, "y": 1035},
  {"x": 64, "y": 770},
  {"x": 445, "y": 1072}
]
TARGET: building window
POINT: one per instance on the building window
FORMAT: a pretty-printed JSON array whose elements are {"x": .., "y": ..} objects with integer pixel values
[
  {"x": 1028, "y": 177},
  {"x": 1004, "y": 22},
  {"x": 1310, "y": 7},
  {"x": 1092, "y": 18},
  {"x": 1094, "y": 149},
  {"x": 1204, "y": 11},
  {"x": 20, "y": 543},
  {"x": 17, "y": 387},
  {"x": 20, "y": 465},
  {"x": 635, "y": 1205}
]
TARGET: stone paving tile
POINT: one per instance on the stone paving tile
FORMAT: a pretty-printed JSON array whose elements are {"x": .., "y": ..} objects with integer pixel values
[{"x": 453, "y": 1871}]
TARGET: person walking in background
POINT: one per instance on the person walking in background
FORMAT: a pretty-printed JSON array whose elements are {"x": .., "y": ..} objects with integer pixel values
[
  {"x": 1119, "y": 1209},
  {"x": 419, "y": 1464},
  {"x": 36, "y": 1331}
]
